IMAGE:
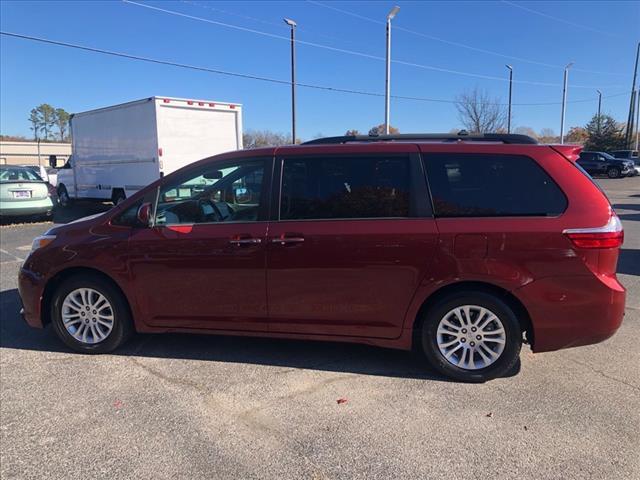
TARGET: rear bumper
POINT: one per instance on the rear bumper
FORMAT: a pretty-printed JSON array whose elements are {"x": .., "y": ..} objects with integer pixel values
[
  {"x": 39, "y": 208},
  {"x": 572, "y": 311},
  {"x": 31, "y": 289}
]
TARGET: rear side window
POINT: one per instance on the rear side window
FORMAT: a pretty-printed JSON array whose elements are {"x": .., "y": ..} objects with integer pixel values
[
  {"x": 345, "y": 187},
  {"x": 475, "y": 185}
]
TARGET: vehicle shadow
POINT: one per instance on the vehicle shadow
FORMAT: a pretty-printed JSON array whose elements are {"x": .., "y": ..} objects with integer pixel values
[
  {"x": 627, "y": 206},
  {"x": 61, "y": 215},
  {"x": 323, "y": 356},
  {"x": 78, "y": 210},
  {"x": 629, "y": 262}
]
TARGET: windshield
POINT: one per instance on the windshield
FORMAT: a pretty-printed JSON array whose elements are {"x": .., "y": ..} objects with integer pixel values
[
  {"x": 18, "y": 174},
  {"x": 607, "y": 156}
]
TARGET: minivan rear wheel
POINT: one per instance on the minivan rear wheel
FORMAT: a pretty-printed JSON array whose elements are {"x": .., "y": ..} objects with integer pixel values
[
  {"x": 471, "y": 337},
  {"x": 90, "y": 315}
]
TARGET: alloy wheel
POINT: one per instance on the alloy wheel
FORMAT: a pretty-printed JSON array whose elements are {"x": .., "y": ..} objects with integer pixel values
[
  {"x": 471, "y": 337},
  {"x": 87, "y": 315}
]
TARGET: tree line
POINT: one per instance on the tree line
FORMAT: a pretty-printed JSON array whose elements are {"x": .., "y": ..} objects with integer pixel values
[
  {"x": 49, "y": 123},
  {"x": 478, "y": 112}
]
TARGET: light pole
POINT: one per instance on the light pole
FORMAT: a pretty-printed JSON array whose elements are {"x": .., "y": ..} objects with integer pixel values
[
  {"x": 293, "y": 26},
  {"x": 599, "y": 107},
  {"x": 564, "y": 100},
  {"x": 387, "y": 94},
  {"x": 629, "y": 133},
  {"x": 637, "y": 119},
  {"x": 510, "y": 89}
]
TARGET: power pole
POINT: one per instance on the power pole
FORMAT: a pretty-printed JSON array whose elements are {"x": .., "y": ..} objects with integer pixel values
[
  {"x": 599, "y": 107},
  {"x": 629, "y": 132},
  {"x": 293, "y": 26},
  {"x": 510, "y": 89},
  {"x": 630, "y": 125}
]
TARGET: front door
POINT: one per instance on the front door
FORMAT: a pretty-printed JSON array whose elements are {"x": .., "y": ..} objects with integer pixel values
[
  {"x": 353, "y": 240},
  {"x": 202, "y": 264}
]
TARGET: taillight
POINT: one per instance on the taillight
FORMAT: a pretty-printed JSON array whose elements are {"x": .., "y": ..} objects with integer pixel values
[
  {"x": 609, "y": 236},
  {"x": 51, "y": 190}
]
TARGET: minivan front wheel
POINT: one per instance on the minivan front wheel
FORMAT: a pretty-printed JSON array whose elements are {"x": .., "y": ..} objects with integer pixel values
[
  {"x": 90, "y": 315},
  {"x": 471, "y": 337}
]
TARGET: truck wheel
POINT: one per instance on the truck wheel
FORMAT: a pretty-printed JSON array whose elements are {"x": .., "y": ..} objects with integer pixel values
[
  {"x": 118, "y": 196},
  {"x": 63, "y": 197},
  {"x": 613, "y": 172}
]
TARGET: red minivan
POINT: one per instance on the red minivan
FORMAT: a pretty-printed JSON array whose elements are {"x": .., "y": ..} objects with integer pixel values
[{"x": 459, "y": 246}]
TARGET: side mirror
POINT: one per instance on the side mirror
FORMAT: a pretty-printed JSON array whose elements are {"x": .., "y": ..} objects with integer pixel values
[
  {"x": 144, "y": 214},
  {"x": 53, "y": 161},
  {"x": 243, "y": 195},
  {"x": 215, "y": 175}
]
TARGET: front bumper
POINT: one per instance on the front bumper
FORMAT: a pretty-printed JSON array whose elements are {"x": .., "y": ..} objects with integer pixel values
[
  {"x": 31, "y": 290},
  {"x": 572, "y": 311}
]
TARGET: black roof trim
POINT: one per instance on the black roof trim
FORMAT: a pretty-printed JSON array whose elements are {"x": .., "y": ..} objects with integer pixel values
[{"x": 462, "y": 136}]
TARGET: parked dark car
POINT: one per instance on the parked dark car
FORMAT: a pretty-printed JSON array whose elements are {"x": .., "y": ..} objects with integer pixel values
[
  {"x": 460, "y": 247},
  {"x": 602, "y": 163},
  {"x": 629, "y": 155}
]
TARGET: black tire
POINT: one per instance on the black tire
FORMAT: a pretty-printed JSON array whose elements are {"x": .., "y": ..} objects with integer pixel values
[
  {"x": 122, "y": 324},
  {"x": 613, "y": 172},
  {"x": 513, "y": 333},
  {"x": 63, "y": 197},
  {"x": 118, "y": 196}
]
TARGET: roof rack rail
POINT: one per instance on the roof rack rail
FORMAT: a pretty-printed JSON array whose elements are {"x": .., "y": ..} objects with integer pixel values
[{"x": 461, "y": 136}]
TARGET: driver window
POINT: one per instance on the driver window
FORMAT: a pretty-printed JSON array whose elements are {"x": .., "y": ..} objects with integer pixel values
[{"x": 211, "y": 194}]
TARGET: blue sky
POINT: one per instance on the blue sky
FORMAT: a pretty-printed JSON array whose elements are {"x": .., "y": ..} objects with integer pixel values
[{"x": 600, "y": 37}]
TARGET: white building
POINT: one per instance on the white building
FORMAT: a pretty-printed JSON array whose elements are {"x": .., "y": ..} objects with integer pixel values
[{"x": 33, "y": 153}]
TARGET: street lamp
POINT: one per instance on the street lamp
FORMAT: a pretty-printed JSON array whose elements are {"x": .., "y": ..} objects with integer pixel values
[
  {"x": 564, "y": 100},
  {"x": 387, "y": 94},
  {"x": 599, "y": 107},
  {"x": 510, "y": 89},
  {"x": 293, "y": 26},
  {"x": 637, "y": 119}
]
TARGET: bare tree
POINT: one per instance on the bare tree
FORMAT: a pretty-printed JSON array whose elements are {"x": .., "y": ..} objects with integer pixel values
[
  {"x": 264, "y": 138},
  {"x": 547, "y": 135},
  {"x": 526, "y": 131},
  {"x": 479, "y": 113}
]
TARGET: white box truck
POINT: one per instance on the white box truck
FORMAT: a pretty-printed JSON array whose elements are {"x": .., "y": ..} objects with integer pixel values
[{"x": 118, "y": 150}]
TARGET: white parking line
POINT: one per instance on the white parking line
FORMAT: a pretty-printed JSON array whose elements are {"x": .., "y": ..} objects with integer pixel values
[{"x": 17, "y": 258}]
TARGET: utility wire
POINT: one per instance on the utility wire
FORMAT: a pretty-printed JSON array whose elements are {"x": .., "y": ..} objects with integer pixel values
[
  {"x": 457, "y": 44},
  {"x": 265, "y": 79},
  {"x": 561, "y": 20},
  {"x": 280, "y": 25},
  {"x": 359, "y": 54}
]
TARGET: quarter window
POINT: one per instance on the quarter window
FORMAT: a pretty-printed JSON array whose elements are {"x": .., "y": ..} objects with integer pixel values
[
  {"x": 345, "y": 187},
  {"x": 212, "y": 193},
  {"x": 477, "y": 185}
]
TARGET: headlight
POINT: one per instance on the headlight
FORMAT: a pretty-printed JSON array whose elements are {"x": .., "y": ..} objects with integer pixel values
[{"x": 42, "y": 241}]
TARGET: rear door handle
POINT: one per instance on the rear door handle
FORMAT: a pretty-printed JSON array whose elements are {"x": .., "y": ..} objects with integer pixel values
[
  {"x": 245, "y": 241},
  {"x": 288, "y": 238}
]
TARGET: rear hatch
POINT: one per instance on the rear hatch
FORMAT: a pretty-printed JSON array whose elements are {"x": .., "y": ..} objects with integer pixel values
[{"x": 16, "y": 191}]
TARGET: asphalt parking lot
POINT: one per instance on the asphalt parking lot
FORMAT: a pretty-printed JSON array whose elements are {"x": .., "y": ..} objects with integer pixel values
[{"x": 185, "y": 406}]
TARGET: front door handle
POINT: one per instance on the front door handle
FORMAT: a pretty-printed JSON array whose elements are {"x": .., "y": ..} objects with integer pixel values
[
  {"x": 288, "y": 238},
  {"x": 244, "y": 241}
]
